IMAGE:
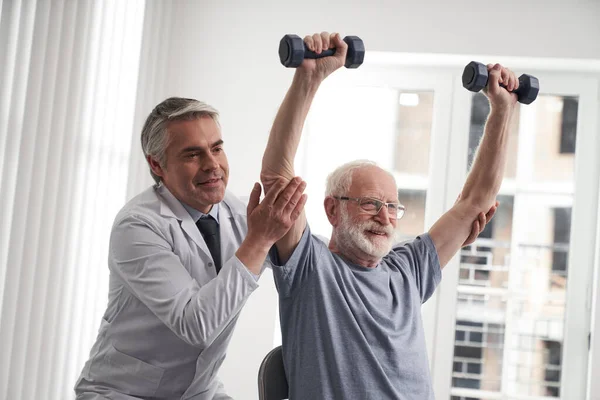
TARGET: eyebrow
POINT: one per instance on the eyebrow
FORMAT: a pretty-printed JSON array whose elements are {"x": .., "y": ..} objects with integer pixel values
[
  {"x": 378, "y": 199},
  {"x": 191, "y": 149}
]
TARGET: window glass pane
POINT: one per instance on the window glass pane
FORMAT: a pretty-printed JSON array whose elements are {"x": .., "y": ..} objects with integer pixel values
[
  {"x": 411, "y": 158},
  {"x": 555, "y": 134},
  {"x": 413, "y": 133},
  {"x": 413, "y": 221}
]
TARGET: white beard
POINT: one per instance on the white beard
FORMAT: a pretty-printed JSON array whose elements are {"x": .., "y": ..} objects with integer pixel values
[{"x": 352, "y": 234}]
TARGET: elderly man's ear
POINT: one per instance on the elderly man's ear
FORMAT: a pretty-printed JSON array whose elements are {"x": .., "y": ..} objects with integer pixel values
[{"x": 331, "y": 210}]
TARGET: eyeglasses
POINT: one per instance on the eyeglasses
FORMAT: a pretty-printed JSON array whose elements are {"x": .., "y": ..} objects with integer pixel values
[{"x": 373, "y": 206}]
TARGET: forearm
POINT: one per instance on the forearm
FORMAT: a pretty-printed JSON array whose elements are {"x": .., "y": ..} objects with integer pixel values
[
  {"x": 253, "y": 253},
  {"x": 197, "y": 314},
  {"x": 212, "y": 308},
  {"x": 278, "y": 159},
  {"x": 485, "y": 178}
]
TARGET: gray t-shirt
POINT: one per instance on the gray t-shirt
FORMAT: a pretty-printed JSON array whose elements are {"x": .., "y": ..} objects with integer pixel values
[{"x": 351, "y": 332}]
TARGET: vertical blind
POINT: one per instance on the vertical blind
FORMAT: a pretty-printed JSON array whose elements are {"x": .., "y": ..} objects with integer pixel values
[
  {"x": 68, "y": 81},
  {"x": 152, "y": 84}
]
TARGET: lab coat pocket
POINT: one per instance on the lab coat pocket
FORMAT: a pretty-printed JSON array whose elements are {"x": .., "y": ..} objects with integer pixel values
[{"x": 130, "y": 374}]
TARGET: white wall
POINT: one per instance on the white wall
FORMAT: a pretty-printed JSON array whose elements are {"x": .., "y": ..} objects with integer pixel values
[{"x": 225, "y": 53}]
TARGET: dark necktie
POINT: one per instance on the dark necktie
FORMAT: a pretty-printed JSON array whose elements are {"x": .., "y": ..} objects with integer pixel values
[{"x": 209, "y": 228}]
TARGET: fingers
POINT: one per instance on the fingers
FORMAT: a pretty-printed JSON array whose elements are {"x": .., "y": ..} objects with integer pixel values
[
  {"x": 509, "y": 79},
  {"x": 338, "y": 42},
  {"x": 473, "y": 234},
  {"x": 492, "y": 211},
  {"x": 274, "y": 191},
  {"x": 515, "y": 81},
  {"x": 298, "y": 208},
  {"x": 512, "y": 80},
  {"x": 480, "y": 223},
  {"x": 481, "y": 220},
  {"x": 477, "y": 227},
  {"x": 254, "y": 198},
  {"x": 494, "y": 76},
  {"x": 290, "y": 195},
  {"x": 286, "y": 199},
  {"x": 294, "y": 199},
  {"x": 325, "y": 39},
  {"x": 318, "y": 43},
  {"x": 309, "y": 43},
  {"x": 504, "y": 76}
]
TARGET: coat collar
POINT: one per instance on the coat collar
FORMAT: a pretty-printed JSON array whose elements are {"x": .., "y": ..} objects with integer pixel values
[{"x": 232, "y": 220}]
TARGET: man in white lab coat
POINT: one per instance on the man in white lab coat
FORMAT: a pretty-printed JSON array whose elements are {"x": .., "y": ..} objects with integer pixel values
[{"x": 176, "y": 287}]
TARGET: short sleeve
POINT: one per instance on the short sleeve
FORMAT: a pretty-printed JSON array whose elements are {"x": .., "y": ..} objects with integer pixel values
[
  {"x": 289, "y": 276},
  {"x": 420, "y": 259}
]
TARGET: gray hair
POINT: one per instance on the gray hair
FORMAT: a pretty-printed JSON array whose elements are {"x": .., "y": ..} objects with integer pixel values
[
  {"x": 154, "y": 132},
  {"x": 340, "y": 180}
]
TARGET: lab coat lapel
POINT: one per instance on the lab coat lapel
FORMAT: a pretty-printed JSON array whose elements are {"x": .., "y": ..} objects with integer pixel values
[
  {"x": 232, "y": 226},
  {"x": 171, "y": 207},
  {"x": 226, "y": 230}
]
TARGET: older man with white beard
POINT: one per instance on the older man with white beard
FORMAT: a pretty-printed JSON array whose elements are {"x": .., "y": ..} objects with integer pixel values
[
  {"x": 350, "y": 311},
  {"x": 365, "y": 237}
]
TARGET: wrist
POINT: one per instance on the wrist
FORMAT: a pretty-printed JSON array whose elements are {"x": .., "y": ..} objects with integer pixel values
[
  {"x": 253, "y": 254},
  {"x": 256, "y": 243},
  {"x": 502, "y": 110},
  {"x": 307, "y": 80}
]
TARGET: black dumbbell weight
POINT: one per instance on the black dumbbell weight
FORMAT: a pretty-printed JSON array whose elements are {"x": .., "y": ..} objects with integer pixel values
[
  {"x": 292, "y": 51},
  {"x": 475, "y": 78}
]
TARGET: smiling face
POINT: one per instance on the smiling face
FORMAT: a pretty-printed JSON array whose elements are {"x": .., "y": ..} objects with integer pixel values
[
  {"x": 195, "y": 169},
  {"x": 363, "y": 237}
]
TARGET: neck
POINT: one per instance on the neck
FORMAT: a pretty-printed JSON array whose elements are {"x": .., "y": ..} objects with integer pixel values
[{"x": 353, "y": 255}]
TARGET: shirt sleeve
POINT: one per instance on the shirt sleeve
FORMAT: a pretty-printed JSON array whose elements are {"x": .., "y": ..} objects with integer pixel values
[
  {"x": 290, "y": 276},
  {"x": 142, "y": 257},
  {"x": 419, "y": 259}
]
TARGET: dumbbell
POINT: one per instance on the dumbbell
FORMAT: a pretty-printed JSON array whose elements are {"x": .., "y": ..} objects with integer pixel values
[
  {"x": 292, "y": 51},
  {"x": 475, "y": 78}
]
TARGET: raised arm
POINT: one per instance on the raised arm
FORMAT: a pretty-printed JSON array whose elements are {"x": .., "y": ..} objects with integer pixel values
[
  {"x": 484, "y": 180},
  {"x": 278, "y": 160}
]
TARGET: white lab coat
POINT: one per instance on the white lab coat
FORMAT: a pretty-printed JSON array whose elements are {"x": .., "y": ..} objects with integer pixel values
[{"x": 169, "y": 317}]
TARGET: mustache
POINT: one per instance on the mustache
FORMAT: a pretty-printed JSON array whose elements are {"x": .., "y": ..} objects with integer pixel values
[{"x": 377, "y": 227}]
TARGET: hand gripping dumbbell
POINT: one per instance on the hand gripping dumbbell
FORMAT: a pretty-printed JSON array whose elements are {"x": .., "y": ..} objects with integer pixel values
[
  {"x": 292, "y": 51},
  {"x": 475, "y": 78}
]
